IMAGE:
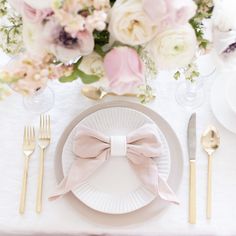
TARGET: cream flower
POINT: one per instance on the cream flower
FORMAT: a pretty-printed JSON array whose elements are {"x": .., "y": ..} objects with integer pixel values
[
  {"x": 92, "y": 65},
  {"x": 174, "y": 48},
  {"x": 130, "y": 24}
]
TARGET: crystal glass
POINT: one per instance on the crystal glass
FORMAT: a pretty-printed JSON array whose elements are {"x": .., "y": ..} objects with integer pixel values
[
  {"x": 190, "y": 94},
  {"x": 41, "y": 101}
]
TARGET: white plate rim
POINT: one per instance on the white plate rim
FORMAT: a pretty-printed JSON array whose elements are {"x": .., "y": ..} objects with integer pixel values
[
  {"x": 220, "y": 107},
  {"x": 136, "y": 199},
  {"x": 174, "y": 180}
]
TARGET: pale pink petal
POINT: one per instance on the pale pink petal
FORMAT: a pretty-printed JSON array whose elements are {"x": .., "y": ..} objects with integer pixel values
[
  {"x": 156, "y": 9},
  {"x": 124, "y": 70}
]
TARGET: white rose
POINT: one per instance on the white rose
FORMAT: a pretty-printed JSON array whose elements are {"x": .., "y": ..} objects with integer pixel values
[
  {"x": 130, "y": 24},
  {"x": 92, "y": 65},
  {"x": 174, "y": 48}
]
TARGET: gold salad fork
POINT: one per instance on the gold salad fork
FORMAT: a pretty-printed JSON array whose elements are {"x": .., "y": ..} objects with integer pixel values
[
  {"x": 28, "y": 149},
  {"x": 43, "y": 142}
]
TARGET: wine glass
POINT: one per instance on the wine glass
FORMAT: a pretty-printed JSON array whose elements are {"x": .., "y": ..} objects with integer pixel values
[
  {"x": 41, "y": 101},
  {"x": 191, "y": 93}
]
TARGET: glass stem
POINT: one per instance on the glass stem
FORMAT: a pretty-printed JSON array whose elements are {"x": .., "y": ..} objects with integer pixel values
[{"x": 191, "y": 90}]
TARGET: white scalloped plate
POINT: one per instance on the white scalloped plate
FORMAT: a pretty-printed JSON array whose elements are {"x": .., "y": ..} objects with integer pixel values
[{"x": 114, "y": 188}]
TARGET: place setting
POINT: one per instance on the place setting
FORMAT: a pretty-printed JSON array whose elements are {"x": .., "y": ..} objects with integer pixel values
[
  {"x": 126, "y": 107},
  {"x": 119, "y": 158}
]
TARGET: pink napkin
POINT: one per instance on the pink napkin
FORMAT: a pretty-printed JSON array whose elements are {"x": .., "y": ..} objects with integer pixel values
[{"x": 93, "y": 148}]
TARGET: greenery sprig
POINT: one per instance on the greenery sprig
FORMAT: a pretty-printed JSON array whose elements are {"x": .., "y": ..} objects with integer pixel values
[
  {"x": 10, "y": 29},
  {"x": 204, "y": 11}
]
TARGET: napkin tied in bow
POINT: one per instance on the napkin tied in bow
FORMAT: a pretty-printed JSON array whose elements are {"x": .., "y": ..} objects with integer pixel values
[{"x": 93, "y": 148}]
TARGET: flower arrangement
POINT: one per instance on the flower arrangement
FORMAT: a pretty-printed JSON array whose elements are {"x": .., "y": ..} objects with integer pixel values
[{"x": 116, "y": 42}]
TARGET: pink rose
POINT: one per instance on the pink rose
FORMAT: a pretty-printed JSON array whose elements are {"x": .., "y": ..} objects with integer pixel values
[
  {"x": 35, "y": 15},
  {"x": 124, "y": 70},
  {"x": 169, "y": 13}
]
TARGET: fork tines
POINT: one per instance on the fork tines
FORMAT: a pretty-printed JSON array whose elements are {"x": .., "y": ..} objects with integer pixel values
[
  {"x": 29, "y": 135},
  {"x": 45, "y": 127}
]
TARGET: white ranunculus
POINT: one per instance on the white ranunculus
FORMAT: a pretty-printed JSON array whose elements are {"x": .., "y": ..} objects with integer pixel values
[
  {"x": 174, "y": 48},
  {"x": 92, "y": 65},
  {"x": 129, "y": 23}
]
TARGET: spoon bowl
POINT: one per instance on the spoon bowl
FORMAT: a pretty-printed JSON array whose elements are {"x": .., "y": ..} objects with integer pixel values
[
  {"x": 210, "y": 142},
  {"x": 93, "y": 92}
]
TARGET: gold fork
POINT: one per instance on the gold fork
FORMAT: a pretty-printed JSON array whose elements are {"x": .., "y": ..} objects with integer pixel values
[
  {"x": 28, "y": 149},
  {"x": 43, "y": 142}
]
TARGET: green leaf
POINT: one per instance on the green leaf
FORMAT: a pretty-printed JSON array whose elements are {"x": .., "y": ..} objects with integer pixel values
[
  {"x": 98, "y": 50},
  {"x": 87, "y": 79},
  {"x": 73, "y": 76},
  {"x": 70, "y": 78},
  {"x": 177, "y": 75},
  {"x": 77, "y": 73}
]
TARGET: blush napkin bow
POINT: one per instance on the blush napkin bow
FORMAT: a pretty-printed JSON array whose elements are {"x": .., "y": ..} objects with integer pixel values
[{"x": 93, "y": 148}]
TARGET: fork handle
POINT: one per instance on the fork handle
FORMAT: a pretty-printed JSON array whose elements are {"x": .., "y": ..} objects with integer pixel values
[
  {"x": 40, "y": 182},
  {"x": 24, "y": 185}
]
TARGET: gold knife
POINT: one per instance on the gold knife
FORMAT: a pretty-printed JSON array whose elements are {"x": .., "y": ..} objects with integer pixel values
[{"x": 192, "y": 168}]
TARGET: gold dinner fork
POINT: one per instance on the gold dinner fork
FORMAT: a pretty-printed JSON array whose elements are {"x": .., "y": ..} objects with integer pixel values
[
  {"x": 43, "y": 142},
  {"x": 28, "y": 149}
]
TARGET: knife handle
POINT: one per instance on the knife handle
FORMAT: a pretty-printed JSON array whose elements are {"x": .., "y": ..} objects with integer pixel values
[{"x": 192, "y": 193}]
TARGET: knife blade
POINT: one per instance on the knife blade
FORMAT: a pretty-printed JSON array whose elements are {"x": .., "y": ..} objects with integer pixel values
[
  {"x": 192, "y": 167},
  {"x": 192, "y": 137}
]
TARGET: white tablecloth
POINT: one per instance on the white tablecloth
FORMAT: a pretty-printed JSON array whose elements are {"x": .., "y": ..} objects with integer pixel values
[{"x": 61, "y": 218}]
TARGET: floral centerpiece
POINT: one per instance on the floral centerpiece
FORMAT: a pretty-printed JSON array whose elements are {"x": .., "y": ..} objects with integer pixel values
[{"x": 120, "y": 43}]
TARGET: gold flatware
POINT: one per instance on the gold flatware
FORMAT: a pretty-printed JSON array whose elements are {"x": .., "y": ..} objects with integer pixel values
[
  {"x": 95, "y": 93},
  {"x": 43, "y": 142},
  {"x": 192, "y": 168},
  {"x": 28, "y": 149},
  {"x": 210, "y": 142}
]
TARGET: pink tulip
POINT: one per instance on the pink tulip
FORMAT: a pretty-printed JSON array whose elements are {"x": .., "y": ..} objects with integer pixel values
[{"x": 124, "y": 70}]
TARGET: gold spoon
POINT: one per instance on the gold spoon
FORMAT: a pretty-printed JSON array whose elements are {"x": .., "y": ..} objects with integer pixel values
[
  {"x": 99, "y": 93},
  {"x": 210, "y": 141}
]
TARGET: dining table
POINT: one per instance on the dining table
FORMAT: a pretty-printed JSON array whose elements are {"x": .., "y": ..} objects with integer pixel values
[{"x": 63, "y": 217}]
